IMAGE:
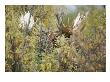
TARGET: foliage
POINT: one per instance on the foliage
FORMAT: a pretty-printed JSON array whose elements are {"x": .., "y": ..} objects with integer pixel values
[{"x": 43, "y": 48}]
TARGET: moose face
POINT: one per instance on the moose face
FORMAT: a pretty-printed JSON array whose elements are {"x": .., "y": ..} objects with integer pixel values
[{"x": 67, "y": 31}]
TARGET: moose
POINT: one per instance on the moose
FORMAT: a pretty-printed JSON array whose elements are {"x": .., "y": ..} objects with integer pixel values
[
  {"x": 63, "y": 29},
  {"x": 76, "y": 26}
]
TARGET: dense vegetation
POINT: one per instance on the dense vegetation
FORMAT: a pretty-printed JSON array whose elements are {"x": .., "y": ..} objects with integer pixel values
[{"x": 45, "y": 48}]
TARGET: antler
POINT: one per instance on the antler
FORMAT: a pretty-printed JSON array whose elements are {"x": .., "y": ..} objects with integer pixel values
[{"x": 59, "y": 17}]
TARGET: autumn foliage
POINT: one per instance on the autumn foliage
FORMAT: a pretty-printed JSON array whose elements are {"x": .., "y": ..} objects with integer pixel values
[{"x": 52, "y": 44}]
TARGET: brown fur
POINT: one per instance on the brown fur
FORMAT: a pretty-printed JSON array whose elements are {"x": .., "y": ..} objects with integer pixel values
[{"x": 67, "y": 31}]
